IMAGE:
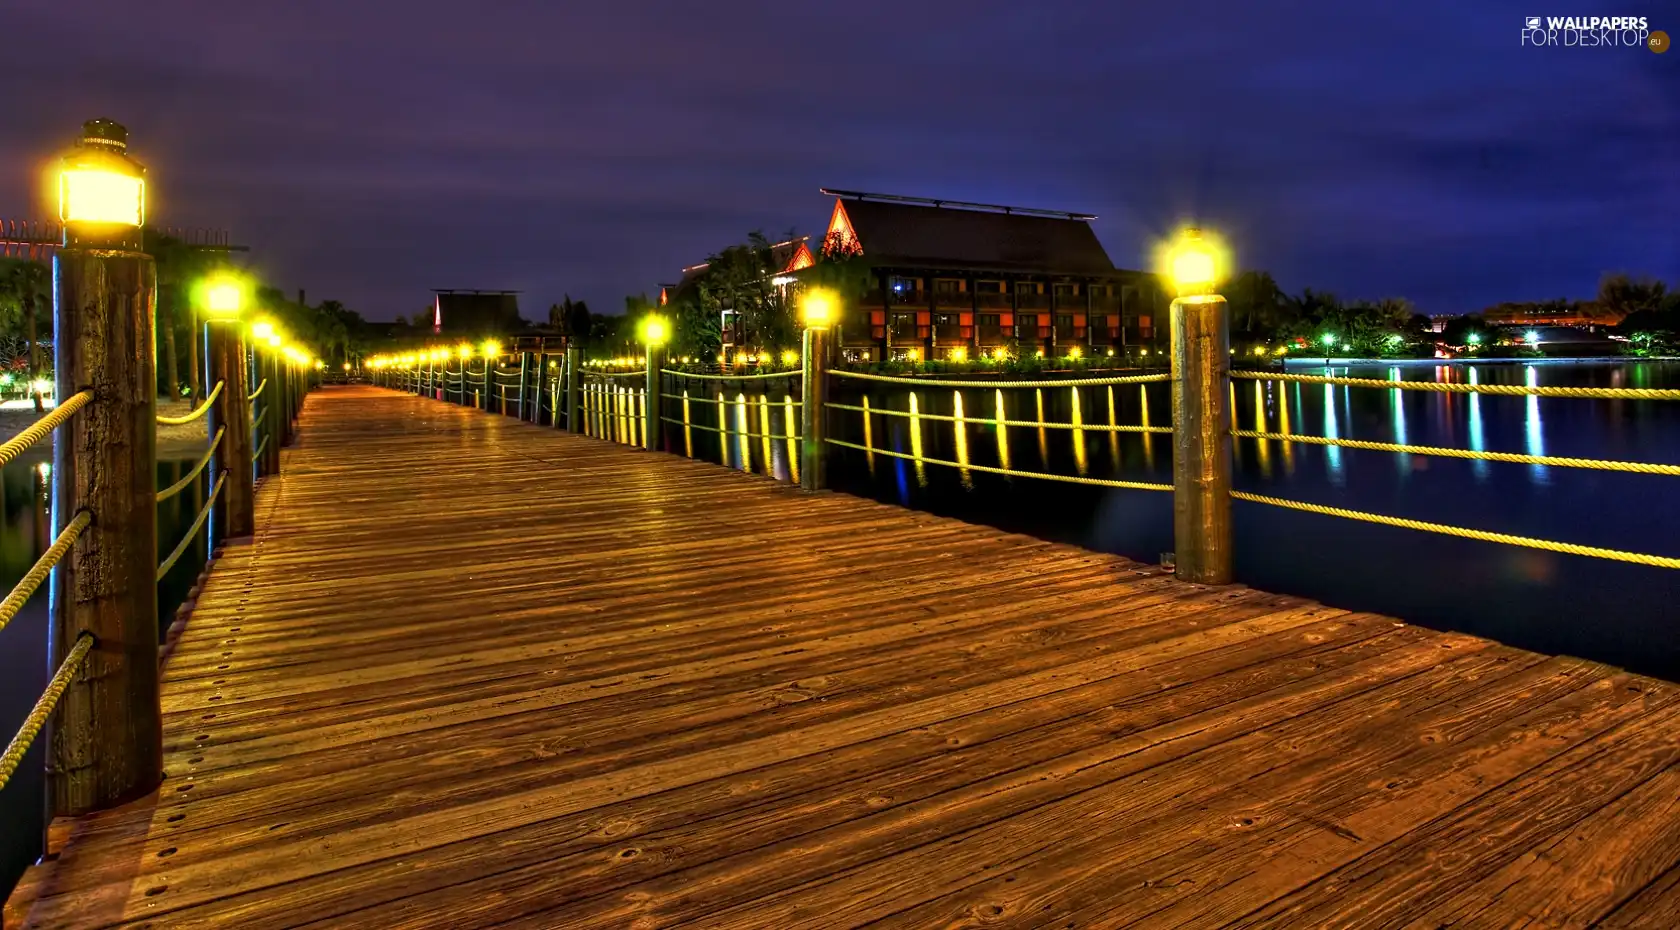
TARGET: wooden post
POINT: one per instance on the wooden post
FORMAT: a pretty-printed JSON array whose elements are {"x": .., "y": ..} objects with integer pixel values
[
  {"x": 107, "y": 735},
  {"x": 1201, "y": 439},
  {"x": 273, "y": 405},
  {"x": 574, "y": 396},
  {"x": 813, "y": 472},
  {"x": 288, "y": 399},
  {"x": 653, "y": 427},
  {"x": 524, "y": 377},
  {"x": 234, "y": 515}
]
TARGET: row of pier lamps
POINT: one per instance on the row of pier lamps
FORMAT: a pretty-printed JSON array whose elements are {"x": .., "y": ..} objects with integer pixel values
[{"x": 1201, "y": 355}]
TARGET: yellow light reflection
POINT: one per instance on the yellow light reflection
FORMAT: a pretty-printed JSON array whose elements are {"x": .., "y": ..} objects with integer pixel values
[
  {"x": 764, "y": 431},
  {"x": 1002, "y": 432},
  {"x": 1283, "y": 427},
  {"x": 688, "y": 429},
  {"x": 868, "y": 436},
  {"x": 960, "y": 431},
  {"x": 1263, "y": 447},
  {"x": 916, "y": 442},
  {"x": 743, "y": 450},
  {"x": 1113, "y": 435},
  {"x": 1078, "y": 419},
  {"x": 1148, "y": 438},
  {"x": 790, "y": 429}
]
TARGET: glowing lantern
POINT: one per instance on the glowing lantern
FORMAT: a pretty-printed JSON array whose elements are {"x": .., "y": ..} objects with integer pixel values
[
  {"x": 655, "y": 331},
  {"x": 819, "y": 307},
  {"x": 101, "y": 190},
  {"x": 1194, "y": 264},
  {"x": 222, "y": 298}
]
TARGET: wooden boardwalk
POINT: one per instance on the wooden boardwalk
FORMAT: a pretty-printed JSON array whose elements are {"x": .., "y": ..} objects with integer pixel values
[{"x": 476, "y": 673}]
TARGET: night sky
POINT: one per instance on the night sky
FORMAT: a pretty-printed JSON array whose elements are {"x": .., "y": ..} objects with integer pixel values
[{"x": 372, "y": 151}]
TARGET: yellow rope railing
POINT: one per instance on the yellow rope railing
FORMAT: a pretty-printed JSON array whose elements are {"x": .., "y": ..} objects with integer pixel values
[
  {"x": 1070, "y": 479},
  {"x": 734, "y": 432},
  {"x": 43, "y": 567},
  {"x": 701, "y": 398},
  {"x": 1510, "y": 390},
  {"x": 1514, "y": 457},
  {"x": 182, "y": 485},
  {"x": 257, "y": 453},
  {"x": 1070, "y": 382},
  {"x": 201, "y": 410},
  {"x": 32, "y": 724},
  {"x": 38, "y": 430},
  {"x": 689, "y": 374},
  {"x": 990, "y": 421},
  {"x": 192, "y": 532},
  {"x": 258, "y": 392},
  {"x": 1618, "y": 555}
]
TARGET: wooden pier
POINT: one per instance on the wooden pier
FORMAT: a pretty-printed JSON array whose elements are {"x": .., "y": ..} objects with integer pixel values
[{"x": 477, "y": 673}]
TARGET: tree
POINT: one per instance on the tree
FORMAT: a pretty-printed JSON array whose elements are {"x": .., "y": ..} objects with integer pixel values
[
  {"x": 570, "y": 317},
  {"x": 1620, "y": 296},
  {"x": 1256, "y": 302},
  {"x": 1459, "y": 329},
  {"x": 25, "y": 290}
]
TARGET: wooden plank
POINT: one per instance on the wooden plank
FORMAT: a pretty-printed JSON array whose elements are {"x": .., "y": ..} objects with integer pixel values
[{"x": 472, "y": 672}]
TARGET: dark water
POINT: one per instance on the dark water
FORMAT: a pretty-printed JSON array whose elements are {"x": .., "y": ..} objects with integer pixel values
[
  {"x": 1610, "y": 611},
  {"x": 25, "y": 532}
]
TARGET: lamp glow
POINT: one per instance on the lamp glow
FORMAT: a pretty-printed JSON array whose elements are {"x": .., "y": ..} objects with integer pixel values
[
  {"x": 959, "y": 354},
  {"x": 261, "y": 331},
  {"x": 1531, "y": 337},
  {"x": 464, "y": 350},
  {"x": 1073, "y": 352},
  {"x": 1474, "y": 339},
  {"x": 1328, "y": 339},
  {"x": 492, "y": 348},
  {"x": 99, "y": 185},
  {"x": 789, "y": 357},
  {"x": 818, "y": 307},
  {"x": 655, "y": 331},
  {"x": 1193, "y": 263}
]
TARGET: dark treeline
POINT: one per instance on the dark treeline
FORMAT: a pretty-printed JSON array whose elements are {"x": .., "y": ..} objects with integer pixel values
[{"x": 333, "y": 331}]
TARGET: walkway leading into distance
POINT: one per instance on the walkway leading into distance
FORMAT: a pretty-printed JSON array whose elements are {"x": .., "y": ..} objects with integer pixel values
[{"x": 477, "y": 673}]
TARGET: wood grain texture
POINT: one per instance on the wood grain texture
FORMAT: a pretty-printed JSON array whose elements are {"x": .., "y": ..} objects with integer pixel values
[{"x": 473, "y": 672}]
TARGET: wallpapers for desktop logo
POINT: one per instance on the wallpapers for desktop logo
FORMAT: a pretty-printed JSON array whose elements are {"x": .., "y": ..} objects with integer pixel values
[{"x": 1592, "y": 32}]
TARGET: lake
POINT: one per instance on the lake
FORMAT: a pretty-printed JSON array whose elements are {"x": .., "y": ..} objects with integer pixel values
[{"x": 1610, "y": 611}]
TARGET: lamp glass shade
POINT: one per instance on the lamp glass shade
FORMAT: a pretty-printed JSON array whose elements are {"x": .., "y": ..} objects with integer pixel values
[{"x": 99, "y": 185}]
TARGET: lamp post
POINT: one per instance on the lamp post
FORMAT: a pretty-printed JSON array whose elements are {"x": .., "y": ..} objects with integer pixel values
[
  {"x": 106, "y": 742},
  {"x": 1329, "y": 341},
  {"x": 818, "y": 308},
  {"x": 1201, "y": 414},
  {"x": 656, "y": 332},
  {"x": 221, "y": 300}
]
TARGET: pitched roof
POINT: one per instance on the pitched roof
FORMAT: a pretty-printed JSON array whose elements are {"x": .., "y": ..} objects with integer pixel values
[{"x": 911, "y": 234}]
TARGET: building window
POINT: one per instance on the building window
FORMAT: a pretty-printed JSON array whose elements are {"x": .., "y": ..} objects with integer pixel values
[
  {"x": 1026, "y": 320},
  {"x": 947, "y": 286},
  {"x": 988, "y": 287},
  {"x": 945, "y": 319},
  {"x": 1065, "y": 291},
  {"x": 988, "y": 319},
  {"x": 1026, "y": 287},
  {"x": 1064, "y": 324},
  {"x": 906, "y": 286}
]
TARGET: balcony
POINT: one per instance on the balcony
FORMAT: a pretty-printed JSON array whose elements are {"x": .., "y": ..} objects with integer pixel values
[
  {"x": 948, "y": 334},
  {"x": 1032, "y": 301},
  {"x": 903, "y": 331},
  {"x": 1103, "y": 303},
  {"x": 917, "y": 299},
  {"x": 994, "y": 335},
  {"x": 993, "y": 301},
  {"x": 1073, "y": 303}
]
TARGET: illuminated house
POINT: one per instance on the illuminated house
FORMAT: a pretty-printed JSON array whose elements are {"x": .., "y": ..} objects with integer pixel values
[
  {"x": 943, "y": 279},
  {"x": 784, "y": 260}
]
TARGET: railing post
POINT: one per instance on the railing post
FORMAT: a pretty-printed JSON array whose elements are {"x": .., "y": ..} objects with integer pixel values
[
  {"x": 273, "y": 407},
  {"x": 288, "y": 399},
  {"x": 107, "y": 735},
  {"x": 813, "y": 470},
  {"x": 524, "y": 376},
  {"x": 653, "y": 428},
  {"x": 1201, "y": 363},
  {"x": 574, "y": 396},
  {"x": 234, "y": 515}
]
